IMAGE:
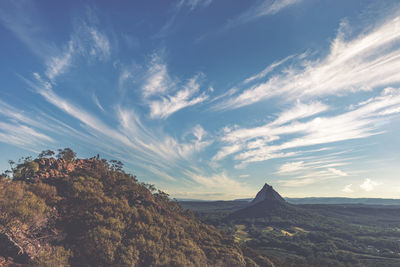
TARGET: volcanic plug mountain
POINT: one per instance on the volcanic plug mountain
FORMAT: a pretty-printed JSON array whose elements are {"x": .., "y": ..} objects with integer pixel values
[
  {"x": 267, "y": 203},
  {"x": 267, "y": 193}
]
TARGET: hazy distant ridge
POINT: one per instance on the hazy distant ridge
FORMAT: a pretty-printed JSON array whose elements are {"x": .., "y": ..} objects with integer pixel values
[{"x": 337, "y": 200}]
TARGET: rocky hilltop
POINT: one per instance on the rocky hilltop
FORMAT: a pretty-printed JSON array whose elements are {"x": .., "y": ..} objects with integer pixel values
[
  {"x": 45, "y": 168},
  {"x": 89, "y": 212}
]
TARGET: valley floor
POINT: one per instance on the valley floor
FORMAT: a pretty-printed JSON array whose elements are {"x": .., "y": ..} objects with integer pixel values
[{"x": 311, "y": 235}]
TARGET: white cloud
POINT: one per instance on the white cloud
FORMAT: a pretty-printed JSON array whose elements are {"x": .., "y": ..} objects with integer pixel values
[
  {"x": 365, "y": 62},
  {"x": 260, "y": 9},
  {"x": 87, "y": 41},
  {"x": 226, "y": 151},
  {"x": 368, "y": 185},
  {"x": 300, "y": 111},
  {"x": 291, "y": 167},
  {"x": 100, "y": 46},
  {"x": 31, "y": 129},
  {"x": 390, "y": 111},
  {"x": 158, "y": 80},
  {"x": 181, "y": 99},
  {"x": 219, "y": 184},
  {"x": 166, "y": 95},
  {"x": 57, "y": 65},
  {"x": 192, "y": 4},
  {"x": 297, "y": 182},
  {"x": 159, "y": 173},
  {"x": 181, "y": 5},
  {"x": 97, "y": 102},
  {"x": 22, "y": 18},
  {"x": 22, "y": 136},
  {"x": 337, "y": 172},
  {"x": 358, "y": 123},
  {"x": 139, "y": 145},
  {"x": 347, "y": 189},
  {"x": 266, "y": 71}
]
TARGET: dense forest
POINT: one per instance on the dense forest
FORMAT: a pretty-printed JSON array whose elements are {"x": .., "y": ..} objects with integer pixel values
[{"x": 63, "y": 211}]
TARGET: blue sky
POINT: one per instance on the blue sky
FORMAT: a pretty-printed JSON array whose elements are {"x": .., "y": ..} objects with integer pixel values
[{"x": 210, "y": 99}]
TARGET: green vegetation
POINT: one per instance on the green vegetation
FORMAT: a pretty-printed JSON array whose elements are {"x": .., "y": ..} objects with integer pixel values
[
  {"x": 89, "y": 212},
  {"x": 309, "y": 235},
  {"x": 66, "y": 154}
]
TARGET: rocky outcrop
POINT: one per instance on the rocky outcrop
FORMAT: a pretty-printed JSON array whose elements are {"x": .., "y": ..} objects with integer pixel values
[{"x": 57, "y": 168}]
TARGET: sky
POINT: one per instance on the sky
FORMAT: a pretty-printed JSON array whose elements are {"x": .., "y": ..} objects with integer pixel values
[{"x": 210, "y": 99}]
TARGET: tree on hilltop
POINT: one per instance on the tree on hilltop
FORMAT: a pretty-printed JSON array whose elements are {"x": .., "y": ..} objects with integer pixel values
[{"x": 67, "y": 154}]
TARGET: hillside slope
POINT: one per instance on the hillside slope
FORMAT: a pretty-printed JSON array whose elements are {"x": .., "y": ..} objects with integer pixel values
[{"x": 88, "y": 212}]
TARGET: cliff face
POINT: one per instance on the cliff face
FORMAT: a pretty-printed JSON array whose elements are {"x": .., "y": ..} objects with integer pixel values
[{"x": 88, "y": 212}]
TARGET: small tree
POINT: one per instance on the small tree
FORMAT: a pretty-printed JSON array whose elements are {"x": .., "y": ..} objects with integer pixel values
[
  {"x": 46, "y": 153},
  {"x": 11, "y": 162},
  {"x": 116, "y": 165},
  {"x": 67, "y": 154}
]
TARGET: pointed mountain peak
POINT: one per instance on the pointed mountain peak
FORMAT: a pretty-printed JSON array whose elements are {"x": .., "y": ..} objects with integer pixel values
[
  {"x": 267, "y": 186},
  {"x": 267, "y": 193}
]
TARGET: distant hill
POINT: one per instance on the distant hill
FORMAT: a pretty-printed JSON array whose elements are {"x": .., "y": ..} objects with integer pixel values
[
  {"x": 308, "y": 235},
  {"x": 267, "y": 194},
  {"x": 343, "y": 200},
  {"x": 335, "y": 200},
  {"x": 89, "y": 212},
  {"x": 267, "y": 203}
]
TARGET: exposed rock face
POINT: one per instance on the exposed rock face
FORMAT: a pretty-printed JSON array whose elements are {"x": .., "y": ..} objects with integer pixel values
[
  {"x": 267, "y": 193},
  {"x": 58, "y": 168}
]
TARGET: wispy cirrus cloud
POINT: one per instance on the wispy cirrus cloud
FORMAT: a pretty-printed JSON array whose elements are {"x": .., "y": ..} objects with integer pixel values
[
  {"x": 155, "y": 151},
  {"x": 22, "y": 18},
  {"x": 192, "y": 4},
  {"x": 291, "y": 167},
  {"x": 57, "y": 65},
  {"x": 216, "y": 185},
  {"x": 97, "y": 102},
  {"x": 358, "y": 123},
  {"x": 312, "y": 170},
  {"x": 183, "y": 98},
  {"x": 166, "y": 95},
  {"x": 23, "y": 136},
  {"x": 31, "y": 130},
  {"x": 132, "y": 133},
  {"x": 86, "y": 41},
  {"x": 267, "y": 70},
  {"x": 146, "y": 148},
  {"x": 100, "y": 47},
  {"x": 362, "y": 63},
  {"x": 177, "y": 8},
  {"x": 337, "y": 172},
  {"x": 158, "y": 80},
  {"x": 259, "y": 9}
]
